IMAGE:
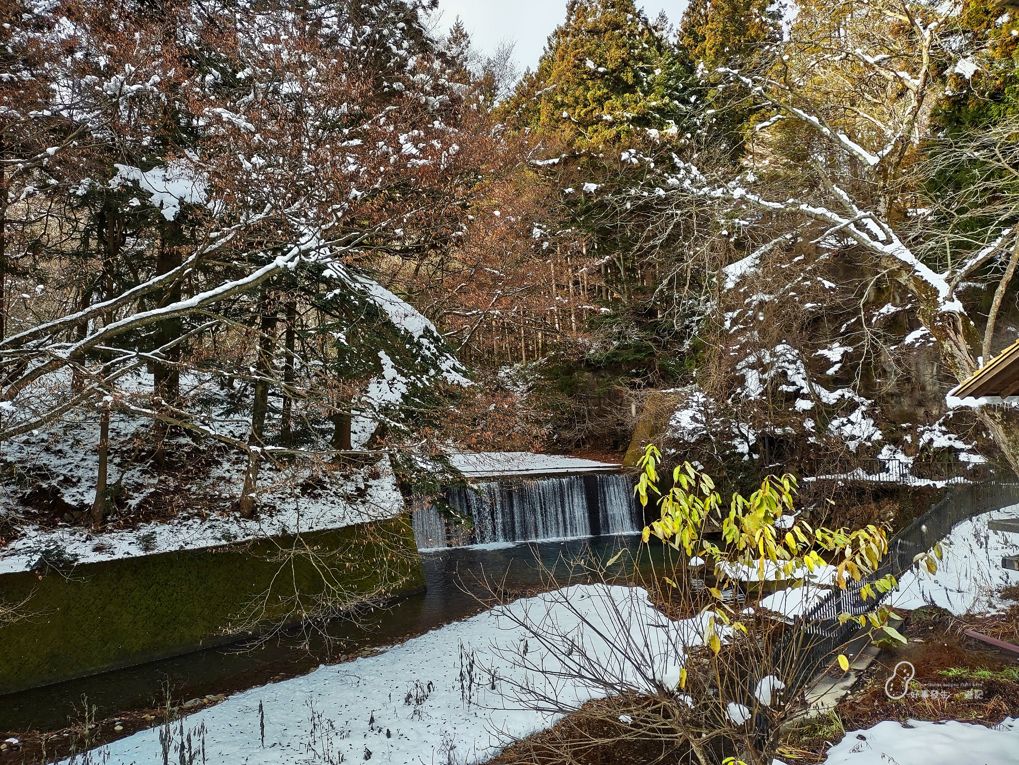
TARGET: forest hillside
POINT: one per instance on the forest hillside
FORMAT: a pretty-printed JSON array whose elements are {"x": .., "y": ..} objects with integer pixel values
[{"x": 251, "y": 251}]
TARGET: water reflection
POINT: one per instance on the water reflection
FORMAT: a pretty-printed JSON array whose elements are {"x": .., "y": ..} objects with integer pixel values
[{"x": 459, "y": 582}]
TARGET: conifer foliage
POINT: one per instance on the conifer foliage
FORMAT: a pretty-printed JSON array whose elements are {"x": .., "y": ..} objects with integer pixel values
[{"x": 606, "y": 75}]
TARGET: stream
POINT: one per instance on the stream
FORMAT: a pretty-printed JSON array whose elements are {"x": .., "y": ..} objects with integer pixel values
[{"x": 454, "y": 583}]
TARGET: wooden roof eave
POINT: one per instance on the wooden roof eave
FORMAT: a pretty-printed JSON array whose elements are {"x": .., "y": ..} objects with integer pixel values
[{"x": 998, "y": 377}]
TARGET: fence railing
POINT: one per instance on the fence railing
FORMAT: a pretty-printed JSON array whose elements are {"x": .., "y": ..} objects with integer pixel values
[
  {"x": 938, "y": 473},
  {"x": 827, "y": 635}
]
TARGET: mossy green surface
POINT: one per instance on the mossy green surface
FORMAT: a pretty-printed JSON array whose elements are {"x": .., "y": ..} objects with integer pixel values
[{"x": 108, "y": 615}]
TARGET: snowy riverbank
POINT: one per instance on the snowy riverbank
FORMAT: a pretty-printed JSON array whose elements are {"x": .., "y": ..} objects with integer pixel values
[
  {"x": 368, "y": 495},
  {"x": 363, "y": 497},
  {"x": 969, "y": 578},
  {"x": 452, "y": 695},
  {"x": 456, "y": 694},
  {"x": 970, "y": 575}
]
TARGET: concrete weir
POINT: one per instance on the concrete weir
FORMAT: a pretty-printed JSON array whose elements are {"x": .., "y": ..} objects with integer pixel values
[{"x": 528, "y": 498}]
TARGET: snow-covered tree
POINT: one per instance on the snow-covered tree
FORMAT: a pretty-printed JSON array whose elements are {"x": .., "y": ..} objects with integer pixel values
[
  {"x": 839, "y": 164},
  {"x": 214, "y": 196}
]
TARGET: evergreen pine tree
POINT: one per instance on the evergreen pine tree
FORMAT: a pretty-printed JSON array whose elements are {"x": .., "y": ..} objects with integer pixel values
[
  {"x": 612, "y": 93},
  {"x": 729, "y": 34},
  {"x": 985, "y": 89},
  {"x": 457, "y": 46},
  {"x": 606, "y": 74}
]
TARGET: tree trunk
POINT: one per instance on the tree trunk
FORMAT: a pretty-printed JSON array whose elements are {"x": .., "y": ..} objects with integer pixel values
[
  {"x": 166, "y": 377},
  {"x": 341, "y": 440},
  {"x": 101, "y": 501},
  {"x": 289, "y": 343},
  {"x": 3, "y": 245},
  {"x": 80, "y": 333},
  {"x": 999, "y": 297},
  {"x": 111, "y": 237},
  {"x": 956, "y": 335},
  {"x": 259, "y": 405},
  {"x": 246, "y": 503},
  {"x": 1003, "y": 425}
]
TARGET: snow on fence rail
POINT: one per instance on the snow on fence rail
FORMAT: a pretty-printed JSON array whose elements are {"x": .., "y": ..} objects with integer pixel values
[{"x": 938, "y": 474}]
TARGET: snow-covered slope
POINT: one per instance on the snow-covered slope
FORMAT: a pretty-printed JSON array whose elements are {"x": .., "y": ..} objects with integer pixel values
[
  {"x": 970, "y": 576},
  {"x": 361, "y": 497}
]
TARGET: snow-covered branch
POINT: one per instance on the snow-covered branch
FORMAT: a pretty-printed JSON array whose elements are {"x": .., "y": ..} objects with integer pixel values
[
  {"x": 982, "y": 256},
  {"x": 863, "y": 227},
  {"x": 763, "y": 87}
]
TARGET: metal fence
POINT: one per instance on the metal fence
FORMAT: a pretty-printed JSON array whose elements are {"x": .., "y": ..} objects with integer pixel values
[
  {"x": 937, "y": 473},
  {"x": 826, "y": 635}
]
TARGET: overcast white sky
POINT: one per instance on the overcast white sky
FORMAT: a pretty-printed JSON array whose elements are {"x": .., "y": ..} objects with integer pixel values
[{"x": 526, "y": 23}]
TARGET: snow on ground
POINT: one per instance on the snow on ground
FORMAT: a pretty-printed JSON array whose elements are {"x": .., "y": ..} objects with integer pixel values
[
  {"x": 795, "y": 601},
  {"x": 772, "y": 571},
  {"x": 967, "y": 67},
  {"x": 968, "y": 579},
  {"x": 494, "y": 464},
  {"x": 450, "y": 696},
  {"x": 689, "y": 422},
  {"x": 62, "y": 460},
  {"x": 361, "y": 499},
  {"x": 970, "y": 575},
  {"x": 784, "y": 368},
  {"x": 928, "y": 743},
  {"x": 806, "y": 590}
]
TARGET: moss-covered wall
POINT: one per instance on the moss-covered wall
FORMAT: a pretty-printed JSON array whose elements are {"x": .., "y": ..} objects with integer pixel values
[{"x": 108, "y": 615}]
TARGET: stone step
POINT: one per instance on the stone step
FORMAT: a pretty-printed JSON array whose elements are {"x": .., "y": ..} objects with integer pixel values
[
  {"x": 829, "y": 689},
  {"x": 864, "y": 658}
]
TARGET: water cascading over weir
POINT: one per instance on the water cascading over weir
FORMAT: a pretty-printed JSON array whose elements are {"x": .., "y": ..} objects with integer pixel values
[{"x": 529, "y": 498}]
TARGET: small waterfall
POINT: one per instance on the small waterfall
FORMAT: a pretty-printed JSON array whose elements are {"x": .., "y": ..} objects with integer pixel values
[
  {"x": 567, "y": 507},
  {"x": 617, "y": 510},
  {"x": 429, "y": 528}
]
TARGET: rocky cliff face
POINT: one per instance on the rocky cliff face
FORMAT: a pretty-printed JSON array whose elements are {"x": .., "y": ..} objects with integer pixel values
[{"x": 812, "y": 368}]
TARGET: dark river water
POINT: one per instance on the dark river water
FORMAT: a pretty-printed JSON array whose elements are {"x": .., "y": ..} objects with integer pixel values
[{"x": 459, "y": 582}]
